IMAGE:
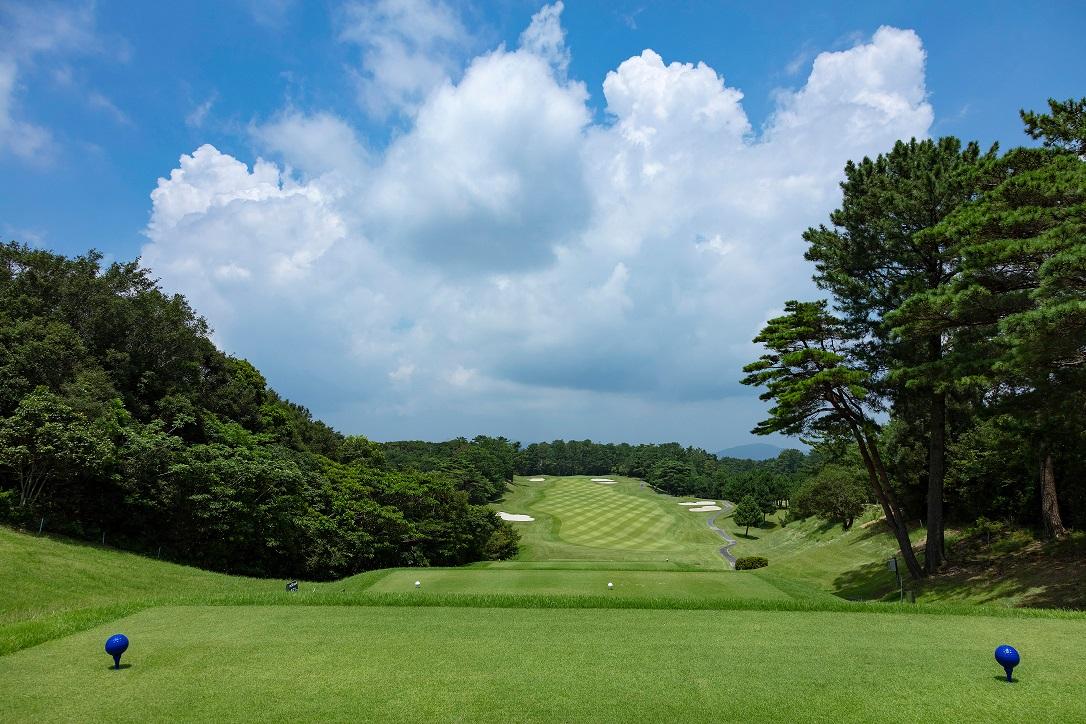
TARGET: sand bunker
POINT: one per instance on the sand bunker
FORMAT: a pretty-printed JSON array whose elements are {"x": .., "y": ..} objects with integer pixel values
[
  {"x": 603, "y": 480},
  {"x": 701, "y": 502},
  {"x": 704, "y": 509},
  {"x": 536, "y": 480},
  {"x": 516, "y": 518}
]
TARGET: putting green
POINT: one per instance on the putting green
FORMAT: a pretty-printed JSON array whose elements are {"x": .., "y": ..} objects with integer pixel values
[
  {"x": 579, "y": 520},
  {"x": 248, "y": 663}
]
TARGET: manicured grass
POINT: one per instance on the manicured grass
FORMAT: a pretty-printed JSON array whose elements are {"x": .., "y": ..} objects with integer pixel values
[
  {"x": 641, "y": 584},
  {"x": 246, "y": 663},
  {"x": 578, "y": 520}
]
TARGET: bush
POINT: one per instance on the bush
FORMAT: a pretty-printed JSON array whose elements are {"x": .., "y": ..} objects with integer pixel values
[{"x": 749, "y": 563}]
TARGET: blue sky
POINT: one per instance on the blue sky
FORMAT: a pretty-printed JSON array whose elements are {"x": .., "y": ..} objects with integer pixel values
[{"x": 456, "y": 225}]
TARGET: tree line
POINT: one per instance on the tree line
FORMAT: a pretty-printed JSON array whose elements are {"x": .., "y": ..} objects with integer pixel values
[
  {"x": 673, "y": 469},
  {"x": 946, "y": 370},
  {"x": 121, "y": 422}
]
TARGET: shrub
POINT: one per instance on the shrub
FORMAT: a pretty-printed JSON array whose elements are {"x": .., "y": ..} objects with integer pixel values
[{"x": 749, "y": 563}]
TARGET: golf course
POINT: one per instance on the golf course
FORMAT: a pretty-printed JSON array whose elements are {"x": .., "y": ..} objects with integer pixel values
[{"x": 541, "y": 637}]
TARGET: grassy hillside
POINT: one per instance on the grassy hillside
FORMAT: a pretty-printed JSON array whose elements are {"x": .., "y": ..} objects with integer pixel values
[
  {"x": 1013, "y": 570},
  {"x": 52, "y": 587},
  {"x": 848, "y": 563}
]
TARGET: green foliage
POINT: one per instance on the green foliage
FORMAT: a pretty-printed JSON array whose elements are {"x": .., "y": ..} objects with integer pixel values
[
  {"x": 749, "y": 563},
  {"x": 837, "y": 493},
  {"x": 45, "y": 444},
  {"x": 748, "y": 513},
  {"x": 120, "y": 420},
  {"x": 1063, "y": 127}
]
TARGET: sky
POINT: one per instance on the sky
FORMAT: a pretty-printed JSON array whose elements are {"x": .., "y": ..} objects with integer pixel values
[{"x": 424, "y": 219}]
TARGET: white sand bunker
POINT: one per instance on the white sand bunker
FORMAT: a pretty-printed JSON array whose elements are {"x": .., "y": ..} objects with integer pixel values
[
  {"x": 702, "y": 502},
  {"x": 536, "y": 480},
  {"x": 605, "y": 481},
  {"x": 515, "y": 517},
  {"x": 704, "y": 509}
]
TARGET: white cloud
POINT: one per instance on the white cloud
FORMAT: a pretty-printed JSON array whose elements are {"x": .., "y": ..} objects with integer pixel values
[
  {"x": 31, "y": 31},
  {"x": 505, "y": 265},
  {"x": 546, "y": 38},
  {"x": 409, "y": 47},
  {"x": 102, "y": 103},
  {"x": 197, "y": 116}
]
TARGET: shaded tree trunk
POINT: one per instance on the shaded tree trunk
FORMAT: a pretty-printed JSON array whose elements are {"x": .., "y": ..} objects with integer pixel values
[
  {"x": 880, "y": 486},
  {"x": 1050, "y": 506},
  {"x": 933, "y": 550}
]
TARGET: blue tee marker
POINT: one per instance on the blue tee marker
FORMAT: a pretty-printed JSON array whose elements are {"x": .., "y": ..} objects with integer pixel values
[
  {"x": 1008, "y": 658},
  {"x": 116, "y": 645}
]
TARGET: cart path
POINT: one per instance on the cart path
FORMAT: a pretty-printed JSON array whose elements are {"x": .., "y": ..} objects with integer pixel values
[{"x": 726, "y": 550}]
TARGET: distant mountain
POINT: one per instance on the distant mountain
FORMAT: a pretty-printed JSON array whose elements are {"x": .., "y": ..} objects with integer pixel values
[{"x": 754, "y": 451}]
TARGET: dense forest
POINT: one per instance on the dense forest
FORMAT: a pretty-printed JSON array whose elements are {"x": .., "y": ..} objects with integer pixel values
[
  {"x": 121, "y": 422},
  {"x": 945, "y": 375}
]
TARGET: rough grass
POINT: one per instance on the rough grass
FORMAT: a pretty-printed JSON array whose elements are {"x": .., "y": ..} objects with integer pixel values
[
  {"x": 1012, "y": 569},
  {"x": 850, "y": 564},
  {"x": 244, "y": 663}
]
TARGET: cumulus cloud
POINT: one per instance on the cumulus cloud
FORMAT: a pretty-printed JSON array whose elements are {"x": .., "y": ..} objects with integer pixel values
[
  {"x": 506, "y": 265},
  {"x": 408, "y": 48}
]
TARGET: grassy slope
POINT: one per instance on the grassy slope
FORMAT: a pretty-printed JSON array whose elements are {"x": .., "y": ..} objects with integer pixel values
[
  {"x": 53, "y": 587},
  {"x": 408, "y": 664},
  {"x": 1014, "y": 570},
  {"x": 851, "y": 563}
]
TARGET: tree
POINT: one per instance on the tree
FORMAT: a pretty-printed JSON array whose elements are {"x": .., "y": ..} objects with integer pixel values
[
  {"x": 670, "y": 476},
  {"x": 836, "y": 493},
  {"x": 819, "y": 389},
  {"x": 1018, "y": 304},
  {"x": 1063, "y": 127},
  {"x": 748, "y": 513},
  {"x": 877, "y": 255},
  {"x": 46, "y": 442}
]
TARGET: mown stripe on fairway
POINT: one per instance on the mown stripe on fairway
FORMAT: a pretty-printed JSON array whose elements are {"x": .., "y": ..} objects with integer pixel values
[{"x": 605, "y": 518}]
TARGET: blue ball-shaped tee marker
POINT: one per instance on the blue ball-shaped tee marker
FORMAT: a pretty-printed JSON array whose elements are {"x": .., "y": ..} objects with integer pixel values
[
  {"x": 1008, "y": 658},
  {"x": 116, "y": 645}
]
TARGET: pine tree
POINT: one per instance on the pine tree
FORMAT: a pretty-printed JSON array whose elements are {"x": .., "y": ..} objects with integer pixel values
[{"x": 876, "y": 256}]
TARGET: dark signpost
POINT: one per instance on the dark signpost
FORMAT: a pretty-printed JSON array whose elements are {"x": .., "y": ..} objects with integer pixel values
[
  {"x": 116, "y": 645},
  {"x": 892, "y": 566}
]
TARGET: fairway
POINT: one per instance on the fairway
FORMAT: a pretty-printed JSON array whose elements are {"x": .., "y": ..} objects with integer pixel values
[
  {"x": 245, "y": 663},
  {"x": 579, "y": 520}
]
